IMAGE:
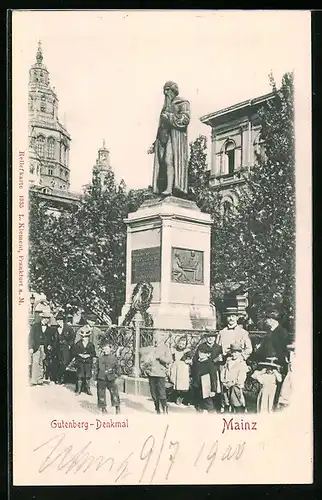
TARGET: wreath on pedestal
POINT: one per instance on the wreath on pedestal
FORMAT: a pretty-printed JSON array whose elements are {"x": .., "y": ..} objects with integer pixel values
[{"x": 141, "y": 300}]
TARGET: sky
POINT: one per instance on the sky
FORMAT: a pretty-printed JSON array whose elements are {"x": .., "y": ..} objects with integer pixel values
[{"x": 108, "y": 69}]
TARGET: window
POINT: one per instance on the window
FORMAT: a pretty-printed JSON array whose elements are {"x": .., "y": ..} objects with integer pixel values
[
  {"x": 31, "y": 104},
  {"x": 50, "y": 171},
  {"x": 51, "y": 148},
  {"x": 32, "y": 169},
  {"x": 43, "y": 103},
  {"x": 64, "y": 154},
  {"x": 230, "y": 157},
  {"x": 41, "y": 145}
]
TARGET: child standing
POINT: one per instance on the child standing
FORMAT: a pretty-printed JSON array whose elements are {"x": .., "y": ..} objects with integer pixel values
[
  {"x": 107, "y": 370},
  {"x": 204, "y": 380},
  {"x": 84, "y": 353},
  {"x": 180, "y": 372},
  {"x": 268, "y": 376},
  {"x": 233, "y": 375}
]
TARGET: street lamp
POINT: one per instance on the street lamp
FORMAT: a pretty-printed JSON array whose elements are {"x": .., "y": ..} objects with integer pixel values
[{"x": 32, "y": 302}]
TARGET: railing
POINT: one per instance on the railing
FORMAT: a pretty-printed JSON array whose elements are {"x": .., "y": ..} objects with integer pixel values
[
  {"x": 127, "y": 341},
  {"x": 193, "y": 337}
]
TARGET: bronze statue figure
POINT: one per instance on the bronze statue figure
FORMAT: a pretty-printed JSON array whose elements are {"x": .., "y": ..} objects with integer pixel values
[{"x": 170, "y": 149}]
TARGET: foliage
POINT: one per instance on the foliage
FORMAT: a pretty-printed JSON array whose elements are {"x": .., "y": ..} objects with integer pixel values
[
  {"x": 265, "y": 222},
  {"x": 255, "y": 246}
]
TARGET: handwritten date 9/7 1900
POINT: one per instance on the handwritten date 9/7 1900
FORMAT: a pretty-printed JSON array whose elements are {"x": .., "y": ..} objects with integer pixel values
[{"x": 62, "y": 456}]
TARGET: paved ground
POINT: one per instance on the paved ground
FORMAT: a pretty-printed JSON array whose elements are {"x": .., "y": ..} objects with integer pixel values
[{"x": 62, "y": 398}]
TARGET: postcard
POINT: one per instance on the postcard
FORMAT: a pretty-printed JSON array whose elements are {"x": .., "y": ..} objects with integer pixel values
[{"x": 162, "y": 297}]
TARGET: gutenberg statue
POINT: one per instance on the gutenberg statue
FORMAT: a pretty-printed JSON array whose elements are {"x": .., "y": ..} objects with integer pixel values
[{"x": 170, "y": 149}]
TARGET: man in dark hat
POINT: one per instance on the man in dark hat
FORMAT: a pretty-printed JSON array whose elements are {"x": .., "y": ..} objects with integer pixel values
[
  {"x": 84, "y": 353},
  {"x": 274, "y": 344},
  {"x": 62, "y": 343}
]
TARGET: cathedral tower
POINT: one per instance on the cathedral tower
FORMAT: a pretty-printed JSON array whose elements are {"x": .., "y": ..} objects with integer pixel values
[
  {"x": 49, "y": 141},
  {"x": 102, "y": 167}
]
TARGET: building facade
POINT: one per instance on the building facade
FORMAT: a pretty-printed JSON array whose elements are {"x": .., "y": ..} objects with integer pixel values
[
  {"x": 49, "y": 141},
  {"x": 235, "y": 146}
]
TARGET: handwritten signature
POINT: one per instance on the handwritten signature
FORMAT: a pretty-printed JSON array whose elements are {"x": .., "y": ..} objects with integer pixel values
[{"x": 63, "y": 457}]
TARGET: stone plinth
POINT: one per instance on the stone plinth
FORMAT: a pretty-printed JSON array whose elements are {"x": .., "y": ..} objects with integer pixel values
[{"x": 168, "y": 245}]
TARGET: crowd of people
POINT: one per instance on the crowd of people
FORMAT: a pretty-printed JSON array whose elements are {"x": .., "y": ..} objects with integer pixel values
[
  {"x": 211, "y": 376},
  {"x": 54, "y": 347}
]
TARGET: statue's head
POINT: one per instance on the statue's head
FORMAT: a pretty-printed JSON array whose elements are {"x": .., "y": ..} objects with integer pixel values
[{"x": 171, "y": 87}]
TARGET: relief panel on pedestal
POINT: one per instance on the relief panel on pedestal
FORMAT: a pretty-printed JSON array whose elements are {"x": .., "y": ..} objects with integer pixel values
[{"x": 187, "y": 266}]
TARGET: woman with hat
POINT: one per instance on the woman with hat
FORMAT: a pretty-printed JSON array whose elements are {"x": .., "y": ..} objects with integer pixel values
[
  {"x": 39, "y": 338},
  {"x": 84, "y": 352},
  {"x": 268, "y": 377}
]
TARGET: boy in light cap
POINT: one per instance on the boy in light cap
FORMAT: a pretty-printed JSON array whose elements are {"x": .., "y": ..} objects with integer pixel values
[
  {"x": 84, "y": 352},
  {"x": 233, "y": 378}
]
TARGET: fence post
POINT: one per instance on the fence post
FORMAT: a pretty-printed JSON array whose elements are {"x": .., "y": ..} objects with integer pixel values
[{"x": 137, "y": 321}]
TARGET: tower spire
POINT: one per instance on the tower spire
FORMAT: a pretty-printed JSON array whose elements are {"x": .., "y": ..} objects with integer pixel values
[
  {"x": 103, "y": 143},
  {"x": 39, "y": 56}
]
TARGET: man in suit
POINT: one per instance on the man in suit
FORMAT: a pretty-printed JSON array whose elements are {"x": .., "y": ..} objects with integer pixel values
[
  {"x": 39, "y": 337},
  {"x": 274, "y": 344},
  {"x": 62, "y": 343}
]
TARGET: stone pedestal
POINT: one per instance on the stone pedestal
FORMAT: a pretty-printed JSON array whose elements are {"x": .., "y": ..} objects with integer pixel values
[{"x": 168, "y": 245}]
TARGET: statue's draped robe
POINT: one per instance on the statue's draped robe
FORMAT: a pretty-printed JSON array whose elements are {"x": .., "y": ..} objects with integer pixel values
[{"x": 172, "y": 143}]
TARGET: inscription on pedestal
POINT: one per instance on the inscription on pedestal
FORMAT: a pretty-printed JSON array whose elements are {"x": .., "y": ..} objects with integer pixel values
[
  {"x": 146, "y": 265},
  {"x": 187, "y": 266}
]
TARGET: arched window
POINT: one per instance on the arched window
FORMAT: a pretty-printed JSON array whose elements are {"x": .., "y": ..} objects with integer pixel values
[
  {"x": 50, "y": 171},
  {"x": 230, "y": 157},
  {"x": 41, "y": 145},
  {"x": 51, "y": 148},
  {"x": 43, "y": 103},
  {"x": 64, "y": 150}
]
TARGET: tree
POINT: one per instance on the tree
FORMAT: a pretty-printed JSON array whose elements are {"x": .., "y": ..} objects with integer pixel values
[
  {"x": 264, "y": 224},
  {"x": 78, "y": 259},
  {"x": 255, "y": 245}
]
